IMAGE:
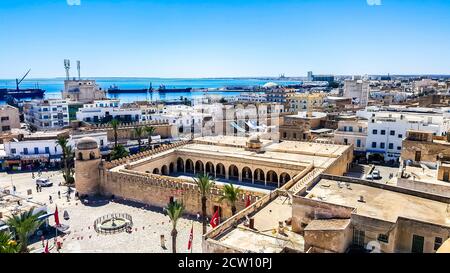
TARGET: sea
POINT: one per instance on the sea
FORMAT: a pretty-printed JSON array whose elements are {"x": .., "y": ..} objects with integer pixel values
[{"x": 54, "y": 86}]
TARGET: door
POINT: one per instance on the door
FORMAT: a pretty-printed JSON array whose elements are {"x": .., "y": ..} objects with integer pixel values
[
  {"x": 358, "y": 238},
  {"x": 418, "y": 155},
  {"x": 417, "y": 244},
  {"x": 446, "y": 176}
]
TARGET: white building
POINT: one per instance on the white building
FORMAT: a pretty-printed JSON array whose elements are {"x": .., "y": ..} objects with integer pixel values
[
  {"x": 387, "y": 128},
  {"x": 49, "y": 114},
  {"x": 85, "y": 91},
  {"x": 251, "y": 97},
  {"x": 358, "y": 90},
  {"x": 100, "y": 110},
  {"x": 352, "y": 132}
]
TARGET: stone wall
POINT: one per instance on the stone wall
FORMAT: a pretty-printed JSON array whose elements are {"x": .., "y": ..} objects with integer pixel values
[
  {"x": 157, "y": 190},
  {"x": 416, "y": 185},
  {"x": 429, "y": 151}
]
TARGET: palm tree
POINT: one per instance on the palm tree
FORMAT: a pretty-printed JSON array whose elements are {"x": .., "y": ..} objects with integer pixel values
[
  {"x": 204, "y": 184},
  {"x": 119, "y": 151},
  {"x": 150, "y": 130},
  {"x": 8, "y": 244},
  {"x": 174, "y": 211},
  {"x": 231, "y": 195},
  {"x": 24, "y": 225},
  {"x": 139, "y": 131},
  {"x": 67, "y": 157},
  {"x": 115, "y": 124}
]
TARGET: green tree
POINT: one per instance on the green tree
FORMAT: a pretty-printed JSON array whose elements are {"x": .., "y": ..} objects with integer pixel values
[
  {"x": 204, "y": 184},
  {"x": 231, "y": 195},
  {"x": 174, "y": 211},
  {"x": 67, "y": 159},
  {"x": 24, "y": 225},
  {"x": 119, "y": 151},
  {"x": 139, "y": 131},
  {"x": 150, "y": 130},
  {"x": 115, "y": 125},
  {"x": 8, "y": 244}
]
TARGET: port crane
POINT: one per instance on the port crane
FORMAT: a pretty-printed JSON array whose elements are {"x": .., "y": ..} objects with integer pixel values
[{"x": 18, "y": 82}]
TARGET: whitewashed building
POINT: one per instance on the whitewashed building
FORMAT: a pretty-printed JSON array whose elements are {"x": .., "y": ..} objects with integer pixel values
[
  {"x": 48, "y": 114},
  {"x": 100, "y": 110}
]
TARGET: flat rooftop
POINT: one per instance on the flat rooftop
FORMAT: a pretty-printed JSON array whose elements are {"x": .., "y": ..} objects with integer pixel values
[
  {"x": 381, "y": 204},
  {"x": 265, "y": 237}
]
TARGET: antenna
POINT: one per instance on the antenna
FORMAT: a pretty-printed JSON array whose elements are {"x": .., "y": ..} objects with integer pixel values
[
  {"x": 67, "y": 67},
  {"x": 79, "y": 69}
]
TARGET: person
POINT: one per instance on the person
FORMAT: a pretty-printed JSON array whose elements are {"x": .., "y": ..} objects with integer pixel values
[
  {"x": 59, "y": 194},
  {"x": 50, "y": 199},
  {"x": 32, "y": 175},
  {"x": 198, "y": 216},
  {"x": 14, "y": 188},
  {"x": 37, "y": 188}
]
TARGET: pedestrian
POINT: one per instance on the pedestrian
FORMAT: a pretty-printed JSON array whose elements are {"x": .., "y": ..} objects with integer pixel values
[
  {"x": 50, "y": 199},
  {"x": 37, "y": 188},
  {"x": 14, "y": 189},
  {"x": 59, "y": 194},
  {"x": 198, "y": 216},
  {"x": 32, "y": 175}
]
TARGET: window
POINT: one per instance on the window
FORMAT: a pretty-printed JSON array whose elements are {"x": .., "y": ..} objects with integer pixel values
[
  {"x": 375, "y": 132},
  {"x": 6, "y": 128},
  {"x": 345, "y": 128},
  {"x": 47, "y": 150},
  {"x": 400, "y": 136},
  {"x": 25, "y": 151},
  {"x": 391, "y": 145},
  {"x": 350, "y": 129},
  {"x": 345, "y": 141},
  {"x": 437, "y": 243},
  {"x": 399, "y": 148},
  {"x": 374, "y": 144},
  {"x": 392, "y": 133},
  {"x": 358, "y": 143},
  {"x": 383, "y": 238},
  {"x": 101, "y": 142},
  {"x": 360, "y": 129},
  {"x": 36, "y": 150},
  {"x": 382, "y": 145},
  {"x": 358, "y": 237},
  {"x": 383, "y": 132},
  {"x": 5, "y": 118},
  {"x": 13, "y": 151}
]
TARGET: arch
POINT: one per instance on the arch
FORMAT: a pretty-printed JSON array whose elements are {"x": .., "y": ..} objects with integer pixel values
[
  {"x": 259, "y": 177},
  {"x": 284, "y": 177},
  {"x": 92, "y": 155},
  {"x": 247, "y": 175},
  {"x": 199, "y": 167},
  {"x": 189, "y": 166},
  {"x": 210, "y": 169},
  {"x": 164, "y": 170},
  {"x": 180, "y": 165},
  {"x": 80, "y": 156},
  {"x": 233, "y": 172},
  {"x": 272, "y": 179},
  {"x": 156, "y": 171},
  {"x": 220, "y": 170},
  {"x": 171, "y": 168}
]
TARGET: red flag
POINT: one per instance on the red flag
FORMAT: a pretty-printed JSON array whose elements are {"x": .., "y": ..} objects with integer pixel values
[
  {"x": 215, "y": 219},
  {"x": 46, "y": 248},
  {"x": 56, "y": 217},
  {"x": 248, "y": 202},
  {"x": 191, "y": 237}
]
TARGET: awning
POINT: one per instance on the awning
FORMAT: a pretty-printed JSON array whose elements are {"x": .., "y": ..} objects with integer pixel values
[{"x": 34, "y": 157}]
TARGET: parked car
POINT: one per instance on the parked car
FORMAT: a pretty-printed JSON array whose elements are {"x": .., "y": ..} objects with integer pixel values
[
  {"x": 375, "y": 175},
  {"x": 44, "y": 182}
]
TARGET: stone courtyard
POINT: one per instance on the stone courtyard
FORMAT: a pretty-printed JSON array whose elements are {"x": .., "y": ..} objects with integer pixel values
[{"x": 148, "y": 223}]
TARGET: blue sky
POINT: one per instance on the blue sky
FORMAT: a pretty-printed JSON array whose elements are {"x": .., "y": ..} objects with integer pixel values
[{"x": 224, "y": 38}]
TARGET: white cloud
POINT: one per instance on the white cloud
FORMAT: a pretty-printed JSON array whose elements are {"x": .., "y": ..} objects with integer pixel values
[
  {"x": 78, "y": 2},
  {"x": 374, "y": 2}
]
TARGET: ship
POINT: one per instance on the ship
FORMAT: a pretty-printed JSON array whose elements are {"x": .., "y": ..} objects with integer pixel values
[
  {"x": 19, "y": 93},
  {"x": 114, "y": 89},
  {"x": 162, "y": 88}
]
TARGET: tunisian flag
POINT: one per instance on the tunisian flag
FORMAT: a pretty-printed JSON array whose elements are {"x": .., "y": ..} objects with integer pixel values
[
  {"x": 56, "y": 217},
  {"x": 46, "y": 248},
  {"x": 191, "y": 237},
  {"x": 215, "y": 219},
  {"x": 248, "y": 202}
]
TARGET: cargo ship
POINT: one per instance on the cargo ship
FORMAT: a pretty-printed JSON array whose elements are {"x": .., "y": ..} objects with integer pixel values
[
  {"x": 114, "y": 89},
  {"x": 19, "y": 93},
  {"x": 164, "y": 89}
]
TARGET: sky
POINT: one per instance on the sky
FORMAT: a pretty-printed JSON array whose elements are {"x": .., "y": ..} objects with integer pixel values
[{"x": 224, "y": 38}]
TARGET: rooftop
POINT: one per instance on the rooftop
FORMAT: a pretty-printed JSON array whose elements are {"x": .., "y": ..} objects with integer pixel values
[{"x": 382, "y": 204}]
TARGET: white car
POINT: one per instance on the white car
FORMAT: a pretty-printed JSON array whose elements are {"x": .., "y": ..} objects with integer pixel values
[
  {"x": 44, "y": 182},
  {"x": 374, "y": 175}
]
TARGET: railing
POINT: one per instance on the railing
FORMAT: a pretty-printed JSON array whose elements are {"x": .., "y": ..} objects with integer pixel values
[{"x": 99, "y": 221}]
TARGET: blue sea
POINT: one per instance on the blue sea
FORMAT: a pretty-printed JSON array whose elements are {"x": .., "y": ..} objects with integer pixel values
[{"x": 54, "y": 86}]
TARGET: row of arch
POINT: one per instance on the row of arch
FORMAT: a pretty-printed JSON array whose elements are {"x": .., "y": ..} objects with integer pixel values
[{"x": 258, "y": 176}]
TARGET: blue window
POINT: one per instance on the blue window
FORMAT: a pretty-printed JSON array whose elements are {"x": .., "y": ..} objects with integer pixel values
[
  {"x": 13, "y": 151},
  {"x": 36, "y": 150},
  {"x": 374, "y": 144},
  {"x": 382, "y": 145},
  {"x": 25, "y": 151},
  {"x": 375, "y": 132},
  {"x": 358, "y": 143},
  {"x": 47, "y": 150}
]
